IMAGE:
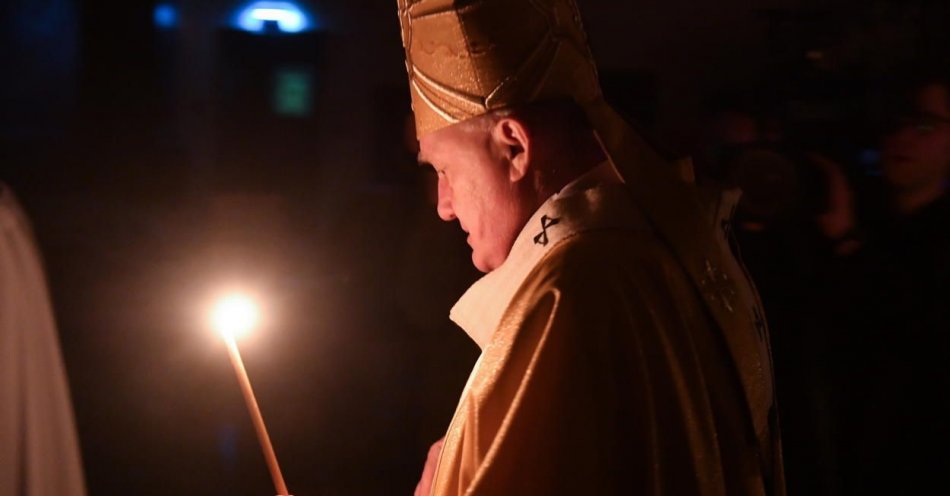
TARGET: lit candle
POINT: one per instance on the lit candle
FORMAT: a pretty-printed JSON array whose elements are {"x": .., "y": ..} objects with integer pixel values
[{"x": 235, "y": 316}]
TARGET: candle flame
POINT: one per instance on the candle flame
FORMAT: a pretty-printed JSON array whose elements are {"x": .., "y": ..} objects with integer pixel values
[{"x": 234, "y": 316}]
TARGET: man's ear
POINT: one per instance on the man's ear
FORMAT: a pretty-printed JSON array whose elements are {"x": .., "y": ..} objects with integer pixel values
[{"x": 514, "y": 141}]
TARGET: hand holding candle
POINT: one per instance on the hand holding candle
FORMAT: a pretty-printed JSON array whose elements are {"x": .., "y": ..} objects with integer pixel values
[{"x": 235, "y": 316}]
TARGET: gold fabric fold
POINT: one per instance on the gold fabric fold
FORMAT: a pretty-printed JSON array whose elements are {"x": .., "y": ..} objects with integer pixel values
[{"x": 675, "y": 208}]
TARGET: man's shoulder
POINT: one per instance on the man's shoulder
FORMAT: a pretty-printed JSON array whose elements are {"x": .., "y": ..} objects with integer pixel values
[
  {"x": 603, "y": 257},
  {"x": 605, "y": 249}
]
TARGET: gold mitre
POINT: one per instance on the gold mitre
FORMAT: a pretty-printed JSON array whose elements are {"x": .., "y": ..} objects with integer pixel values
[{"x": 467, "y": 57}]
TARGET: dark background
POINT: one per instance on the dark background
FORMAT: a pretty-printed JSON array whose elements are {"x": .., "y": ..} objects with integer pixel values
[{"x": 157, "y": 171}]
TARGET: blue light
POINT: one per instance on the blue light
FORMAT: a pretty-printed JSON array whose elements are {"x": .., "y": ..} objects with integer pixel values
[
  {"x": 870, "y": 156},
  {"x": 871, "y": 160},
  {"x": 165, "y": 15},
  {"x": 285, "y": 16}
]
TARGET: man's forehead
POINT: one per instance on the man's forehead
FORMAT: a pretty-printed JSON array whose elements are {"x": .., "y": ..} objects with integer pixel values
[
  {"x": 422, "y": 160},
  {"x": 427, "y": 148},
  {"x": 441, "y": 141}
]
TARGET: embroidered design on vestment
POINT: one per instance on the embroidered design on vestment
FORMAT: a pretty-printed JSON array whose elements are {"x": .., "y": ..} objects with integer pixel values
[
  {"x": 546, "y": 222},
  {"x": 717, "y": 286}
]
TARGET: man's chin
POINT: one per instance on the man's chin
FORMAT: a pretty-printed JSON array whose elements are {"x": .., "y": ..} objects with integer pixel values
[{"x": 480, "y": 264}]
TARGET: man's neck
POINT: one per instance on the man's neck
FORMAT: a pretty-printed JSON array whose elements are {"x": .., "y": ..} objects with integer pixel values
[
  {"x": 569, "y": 171},
  {"x": 602, "y": 173},
  {"x": 909, "y": 201}
]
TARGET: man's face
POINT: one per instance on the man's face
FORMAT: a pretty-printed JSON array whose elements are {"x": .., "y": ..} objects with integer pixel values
[
  {"x": 475, "y": 188},
  {"x": 917, "y": 153}
]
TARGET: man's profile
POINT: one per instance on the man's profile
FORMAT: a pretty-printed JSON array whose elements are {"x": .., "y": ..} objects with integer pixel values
[{"x": 623, "y": 349}]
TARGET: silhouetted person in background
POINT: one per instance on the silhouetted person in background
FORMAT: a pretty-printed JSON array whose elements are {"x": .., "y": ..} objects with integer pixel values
[{"x": 888, "y": 308}]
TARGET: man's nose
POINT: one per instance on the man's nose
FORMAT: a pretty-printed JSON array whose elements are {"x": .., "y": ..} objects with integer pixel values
[{"x": 444, "y": 207}]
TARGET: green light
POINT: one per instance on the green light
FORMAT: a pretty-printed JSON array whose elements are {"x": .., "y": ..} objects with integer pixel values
[{"x": 293, "y": 92}]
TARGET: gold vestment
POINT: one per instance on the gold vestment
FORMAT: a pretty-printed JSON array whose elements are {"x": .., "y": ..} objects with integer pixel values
[
  {"x": 605, "y": 375},
  {"x": 683, "y": 326}
]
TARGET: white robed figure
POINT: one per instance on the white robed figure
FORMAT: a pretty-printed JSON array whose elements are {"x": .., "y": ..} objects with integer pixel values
[{"x": 39, "y": 449}]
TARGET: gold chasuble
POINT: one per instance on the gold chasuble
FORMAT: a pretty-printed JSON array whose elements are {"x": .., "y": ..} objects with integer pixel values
[
  {"x": 603, "y": 373},
  {"x": 624, "y": 350}
]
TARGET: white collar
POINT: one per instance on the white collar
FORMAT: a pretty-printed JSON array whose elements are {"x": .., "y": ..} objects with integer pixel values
[{"x": 595, "y": 200}]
